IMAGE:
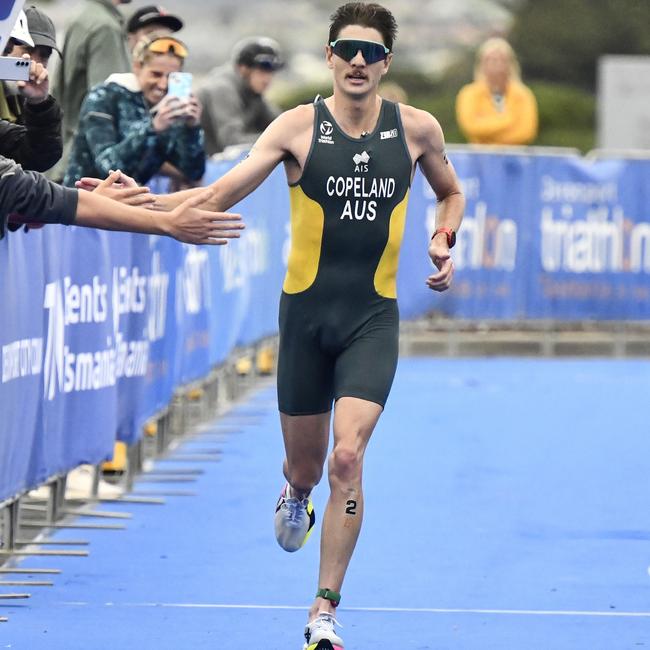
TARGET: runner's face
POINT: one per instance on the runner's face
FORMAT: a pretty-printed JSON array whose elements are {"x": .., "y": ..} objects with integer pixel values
[{"x": 356, "y": 77}]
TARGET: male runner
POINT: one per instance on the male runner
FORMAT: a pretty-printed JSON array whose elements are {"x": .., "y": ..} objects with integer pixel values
[{"x": 349, "y": 161}]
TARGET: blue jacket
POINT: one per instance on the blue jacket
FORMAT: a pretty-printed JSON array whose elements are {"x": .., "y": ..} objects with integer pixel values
[{"x": 116, "y": 132}]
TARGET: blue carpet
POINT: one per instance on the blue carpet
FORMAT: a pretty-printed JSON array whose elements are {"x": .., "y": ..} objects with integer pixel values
[{"x": 506, "y": 507}]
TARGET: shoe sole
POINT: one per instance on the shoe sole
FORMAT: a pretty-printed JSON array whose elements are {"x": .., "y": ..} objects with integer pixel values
[
  {"x": 312, "y": 523},
  {"x": 324, "y": 644}
]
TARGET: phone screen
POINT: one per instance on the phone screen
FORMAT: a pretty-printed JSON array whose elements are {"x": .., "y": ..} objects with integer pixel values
[{"x": 180, "y": 84}]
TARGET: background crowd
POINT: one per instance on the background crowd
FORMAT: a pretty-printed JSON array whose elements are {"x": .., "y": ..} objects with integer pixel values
[{"x": 111, "y": 105}]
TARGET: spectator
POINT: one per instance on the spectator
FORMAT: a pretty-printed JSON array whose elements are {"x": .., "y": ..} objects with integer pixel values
[
  {"x": 43, "y": 33},
  {"x": 130, "y": 123},
  {"x": 235, "y": 111},
  {"x": 150, "y": 19},
  {"x": 497, "y": 108},
  {"x": 27, "y": 196},
  {"x": 94, "y": 48},
  {"x": 30, "y": 128},
  {"x": 19, "y": 41}
]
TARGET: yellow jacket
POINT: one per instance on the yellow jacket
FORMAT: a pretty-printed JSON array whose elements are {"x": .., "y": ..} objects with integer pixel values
[{"x": 482, "y": 123}]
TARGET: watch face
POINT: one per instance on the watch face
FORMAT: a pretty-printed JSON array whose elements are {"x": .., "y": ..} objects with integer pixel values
[{"x": 451, "y": 239}]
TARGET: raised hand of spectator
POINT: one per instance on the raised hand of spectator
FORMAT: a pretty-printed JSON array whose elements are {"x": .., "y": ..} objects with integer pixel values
[
  {"x": 168, "y": 111},
  {"x": 37, "y": 89},
  {"x": 193, "y": 111},
  {"x": 119, "y": 187}
]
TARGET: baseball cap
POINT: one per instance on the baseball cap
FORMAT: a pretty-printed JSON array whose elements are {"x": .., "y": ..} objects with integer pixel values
[
  {"x": 153, "y": 14},
  {"x": 41, "y": 28},
  {"x": 259, "y": 52},
  {"x": 20, "y": 32}
]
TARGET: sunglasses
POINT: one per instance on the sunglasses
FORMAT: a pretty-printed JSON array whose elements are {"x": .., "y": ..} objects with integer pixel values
[
  {"x": 166, "y": 46},
  {"x": 347, "y": 49},
  {"x": 267, "y": 62}
]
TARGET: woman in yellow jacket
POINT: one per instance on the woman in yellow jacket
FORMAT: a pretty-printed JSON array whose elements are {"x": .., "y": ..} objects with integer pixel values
[{"x": 497, "y": 108}]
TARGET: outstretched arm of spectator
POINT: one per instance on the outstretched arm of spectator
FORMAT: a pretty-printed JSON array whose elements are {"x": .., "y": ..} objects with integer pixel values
[
  {"x": 186, "y": 223},
  {"x": 28, "y": 197}
]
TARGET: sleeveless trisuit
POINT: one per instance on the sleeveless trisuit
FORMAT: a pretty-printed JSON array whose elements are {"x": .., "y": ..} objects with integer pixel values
[{"x": 339, "y": 320}]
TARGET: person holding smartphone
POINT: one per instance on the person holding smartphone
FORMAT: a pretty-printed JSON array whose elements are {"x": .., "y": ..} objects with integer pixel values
[{"x": 137, "y": 123}]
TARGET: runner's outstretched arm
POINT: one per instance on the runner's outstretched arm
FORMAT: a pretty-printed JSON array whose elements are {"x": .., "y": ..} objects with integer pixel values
[{"x": 271, "y": 148}]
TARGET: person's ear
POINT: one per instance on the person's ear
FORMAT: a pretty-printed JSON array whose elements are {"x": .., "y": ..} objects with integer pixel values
[{"x": 329, "y": 54}]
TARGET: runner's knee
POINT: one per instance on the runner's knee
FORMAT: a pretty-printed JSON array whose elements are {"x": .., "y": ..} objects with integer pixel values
[
  {"x": 304, "y": 477},
  {"x": 345, "y": 463}
]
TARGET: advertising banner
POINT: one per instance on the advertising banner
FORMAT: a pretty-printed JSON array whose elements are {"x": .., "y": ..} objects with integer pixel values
[{"x": 98, "y": 329}]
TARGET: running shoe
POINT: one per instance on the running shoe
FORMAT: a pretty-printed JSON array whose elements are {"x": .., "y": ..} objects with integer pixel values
[
  {"x": 294, "y": 520},
  {"x": 320, "y": 634}
]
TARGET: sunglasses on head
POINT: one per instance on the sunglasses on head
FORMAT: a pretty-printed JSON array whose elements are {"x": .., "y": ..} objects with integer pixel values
[
  {"x": 347, "y": 49},
  {"x": 267, "y": 62},
  {"x": 167, "y": 46}
]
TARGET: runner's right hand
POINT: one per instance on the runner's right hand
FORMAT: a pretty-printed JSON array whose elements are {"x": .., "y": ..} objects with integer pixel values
[{"x": 191, "y": 225}]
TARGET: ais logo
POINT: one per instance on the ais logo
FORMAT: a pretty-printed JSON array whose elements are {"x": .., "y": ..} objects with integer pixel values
[{"x": 361, "y": 161}]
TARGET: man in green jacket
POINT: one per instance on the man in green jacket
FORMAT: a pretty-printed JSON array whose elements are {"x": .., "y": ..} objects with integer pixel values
[{"x": 94, "y": 48}]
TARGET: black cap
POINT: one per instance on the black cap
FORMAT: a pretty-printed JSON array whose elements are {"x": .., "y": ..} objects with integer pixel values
[
  {"x": 259, "y": 52},
  {"x": 41, "y": 28},
  {"x": 153, "y": 15}
]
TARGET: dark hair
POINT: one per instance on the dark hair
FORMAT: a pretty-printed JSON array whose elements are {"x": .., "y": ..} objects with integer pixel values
[{"x": 366, "y": 14}]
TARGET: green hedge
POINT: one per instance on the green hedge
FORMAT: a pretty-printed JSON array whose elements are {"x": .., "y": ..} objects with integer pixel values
[{"x": 566, "y": 114}]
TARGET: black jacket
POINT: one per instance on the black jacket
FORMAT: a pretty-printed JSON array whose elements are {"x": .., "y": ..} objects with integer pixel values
[
  {"x": 37, "y": 144},
  {"x": 33, "y": 197}
]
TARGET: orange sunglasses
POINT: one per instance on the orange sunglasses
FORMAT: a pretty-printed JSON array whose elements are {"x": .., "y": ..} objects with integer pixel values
[{"x": 168, "y": 45}]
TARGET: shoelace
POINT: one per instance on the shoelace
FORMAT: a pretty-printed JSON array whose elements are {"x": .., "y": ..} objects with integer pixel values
[
  {"x": 296, "y": 509},
  {"x": 324, "y": 622}
]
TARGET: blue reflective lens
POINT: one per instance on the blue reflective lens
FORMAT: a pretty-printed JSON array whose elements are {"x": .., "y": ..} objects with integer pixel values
[{"x": 347, "y": 49}]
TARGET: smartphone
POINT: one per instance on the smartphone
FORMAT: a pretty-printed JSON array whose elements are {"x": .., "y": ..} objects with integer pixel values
[
  {"x": 180, "y": 84},
  {"x": 12, "y": 69}
]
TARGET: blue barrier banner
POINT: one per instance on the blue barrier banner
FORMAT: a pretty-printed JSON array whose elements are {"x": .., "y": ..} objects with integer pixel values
[
  {"x": 98, "y": 329},
  {"x": 553, "y": 237},
  {"x": 486, "y": 284},
  {"x": 590, "y": 249}
]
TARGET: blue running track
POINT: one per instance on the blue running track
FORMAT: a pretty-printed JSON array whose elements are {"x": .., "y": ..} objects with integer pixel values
[{"x": 506, "y": 507}]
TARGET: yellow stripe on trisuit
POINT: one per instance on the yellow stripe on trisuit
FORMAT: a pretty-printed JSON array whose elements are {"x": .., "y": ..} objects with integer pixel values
[
  {"x": 386, "y": 273},
  {"x": 307, "y": 223}
]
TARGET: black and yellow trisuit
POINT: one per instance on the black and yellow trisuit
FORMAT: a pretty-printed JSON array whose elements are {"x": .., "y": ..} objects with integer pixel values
[{"x": 339, "y": 320}]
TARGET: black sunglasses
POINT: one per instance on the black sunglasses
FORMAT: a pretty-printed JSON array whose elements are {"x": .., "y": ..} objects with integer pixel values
[{"x": 347, "y": 49}]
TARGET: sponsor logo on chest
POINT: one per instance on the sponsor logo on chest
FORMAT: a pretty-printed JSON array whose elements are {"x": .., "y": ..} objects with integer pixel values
[
  {"x": 387, "y": 135},
  {"x": 361, "y": 161},
  {"x": 325, "y": 133}
]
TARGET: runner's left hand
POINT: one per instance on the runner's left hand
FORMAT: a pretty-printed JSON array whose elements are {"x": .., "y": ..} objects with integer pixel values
[{"x": 441, "y": 257}]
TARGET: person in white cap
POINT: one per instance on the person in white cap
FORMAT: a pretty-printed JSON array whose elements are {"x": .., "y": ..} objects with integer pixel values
[{"x": 30, "y": 124}]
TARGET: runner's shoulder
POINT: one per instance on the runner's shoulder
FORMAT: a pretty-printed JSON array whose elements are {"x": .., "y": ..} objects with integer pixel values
[
  {"x": 296, "y": 120},
  {"x": 420, "y": 125}
]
